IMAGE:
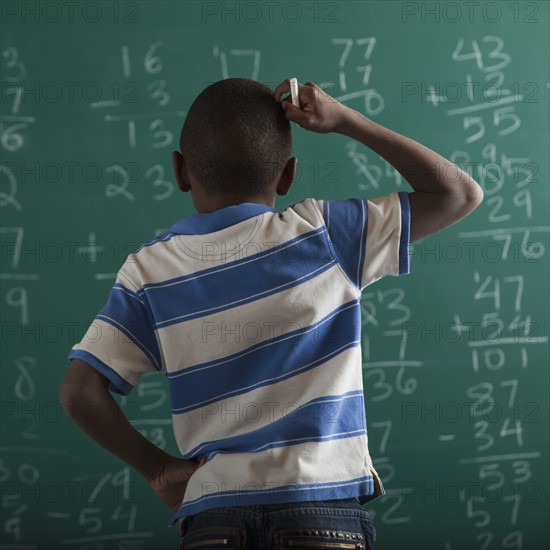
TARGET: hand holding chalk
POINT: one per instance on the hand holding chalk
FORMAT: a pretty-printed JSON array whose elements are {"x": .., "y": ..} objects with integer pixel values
[{"x": 311, "y": 107}]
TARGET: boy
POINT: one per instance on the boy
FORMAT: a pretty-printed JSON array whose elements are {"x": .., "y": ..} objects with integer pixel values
[{"x": 269, "y": 420}]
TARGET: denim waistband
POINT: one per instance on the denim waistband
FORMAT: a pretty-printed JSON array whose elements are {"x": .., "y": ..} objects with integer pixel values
[
  {"x": 339, "y": 507},
  {"x": 262, "y": 509}
]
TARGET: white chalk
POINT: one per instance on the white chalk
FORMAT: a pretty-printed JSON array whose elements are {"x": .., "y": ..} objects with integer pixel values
[{"x": 294, "y": 92}]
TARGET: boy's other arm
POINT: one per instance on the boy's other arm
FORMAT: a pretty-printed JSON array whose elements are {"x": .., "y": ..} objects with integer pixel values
[
  {"x": 85, "y": 396},
  {"x": 443, "y": 193}
]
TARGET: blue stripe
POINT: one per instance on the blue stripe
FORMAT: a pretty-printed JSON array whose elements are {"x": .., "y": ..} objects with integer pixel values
[
  {"x": 117, "y": 383},
  {"x": 361, "y": 487},
  {"x": 322, "y": 419},
  {"x": 265, "y": 274},
  {"x": 347, "y": 232},
  {"x": 405, "y": 233},
  {"x": 238, "y": 301},
  {"x": 128, "y": 313},
  {"x": 293, "y": 353}
]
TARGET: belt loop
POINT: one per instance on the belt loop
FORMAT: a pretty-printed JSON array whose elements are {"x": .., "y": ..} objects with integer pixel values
[{"x": 182, "y": 527}]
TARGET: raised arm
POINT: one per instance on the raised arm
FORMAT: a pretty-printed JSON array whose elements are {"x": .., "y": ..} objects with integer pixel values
[{"x": 443, "y": 193}]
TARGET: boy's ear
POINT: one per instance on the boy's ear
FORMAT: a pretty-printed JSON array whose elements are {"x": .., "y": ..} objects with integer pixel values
[
  {"x": 287, "y": 176},
  {"x": 178, "y": 164}
]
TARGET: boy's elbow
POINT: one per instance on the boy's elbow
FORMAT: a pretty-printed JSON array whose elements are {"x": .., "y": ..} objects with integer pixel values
[
  {"x": 471, "y": 197},
  {"x": 474, "y": 195}
]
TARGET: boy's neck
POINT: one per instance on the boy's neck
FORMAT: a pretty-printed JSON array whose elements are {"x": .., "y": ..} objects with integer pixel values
[{"x": 212, "y": 203}]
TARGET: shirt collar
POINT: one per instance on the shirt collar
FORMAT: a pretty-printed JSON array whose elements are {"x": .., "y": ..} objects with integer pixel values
[{"x": 199, "y": 224}]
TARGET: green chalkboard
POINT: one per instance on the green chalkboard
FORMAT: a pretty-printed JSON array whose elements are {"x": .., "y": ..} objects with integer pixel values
[{"x": 455, "y": 354}]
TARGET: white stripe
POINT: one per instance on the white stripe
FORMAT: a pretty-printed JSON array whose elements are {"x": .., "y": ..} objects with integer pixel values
[
  {"x": 384, "y": 238},
  {"x": 361, "y": 247},
  {"x": 325, "y": 437},
  {"x": 108, "y": 344},
  {"x": 159, "y": 240},
  {"x": 304, "y": 463},
  {"x": 143, "y": 346}
]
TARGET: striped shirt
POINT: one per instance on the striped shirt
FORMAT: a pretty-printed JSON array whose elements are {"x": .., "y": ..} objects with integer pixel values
[{"x": 254, "y": 317}]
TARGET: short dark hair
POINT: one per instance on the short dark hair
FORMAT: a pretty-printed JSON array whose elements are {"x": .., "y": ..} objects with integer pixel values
[{"x": 235, "y": 138}]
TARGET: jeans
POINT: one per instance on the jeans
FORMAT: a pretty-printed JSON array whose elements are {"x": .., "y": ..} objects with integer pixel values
[{"x": 310, "y": 525}]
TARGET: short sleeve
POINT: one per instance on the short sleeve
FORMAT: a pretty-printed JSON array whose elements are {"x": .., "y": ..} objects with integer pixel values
[
  {"x": 121, "y": 342},
  {"x": 370, "y": 237}
]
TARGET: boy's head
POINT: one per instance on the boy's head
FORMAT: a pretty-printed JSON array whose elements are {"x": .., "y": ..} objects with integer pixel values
[{"x": 235, "y": 146}]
